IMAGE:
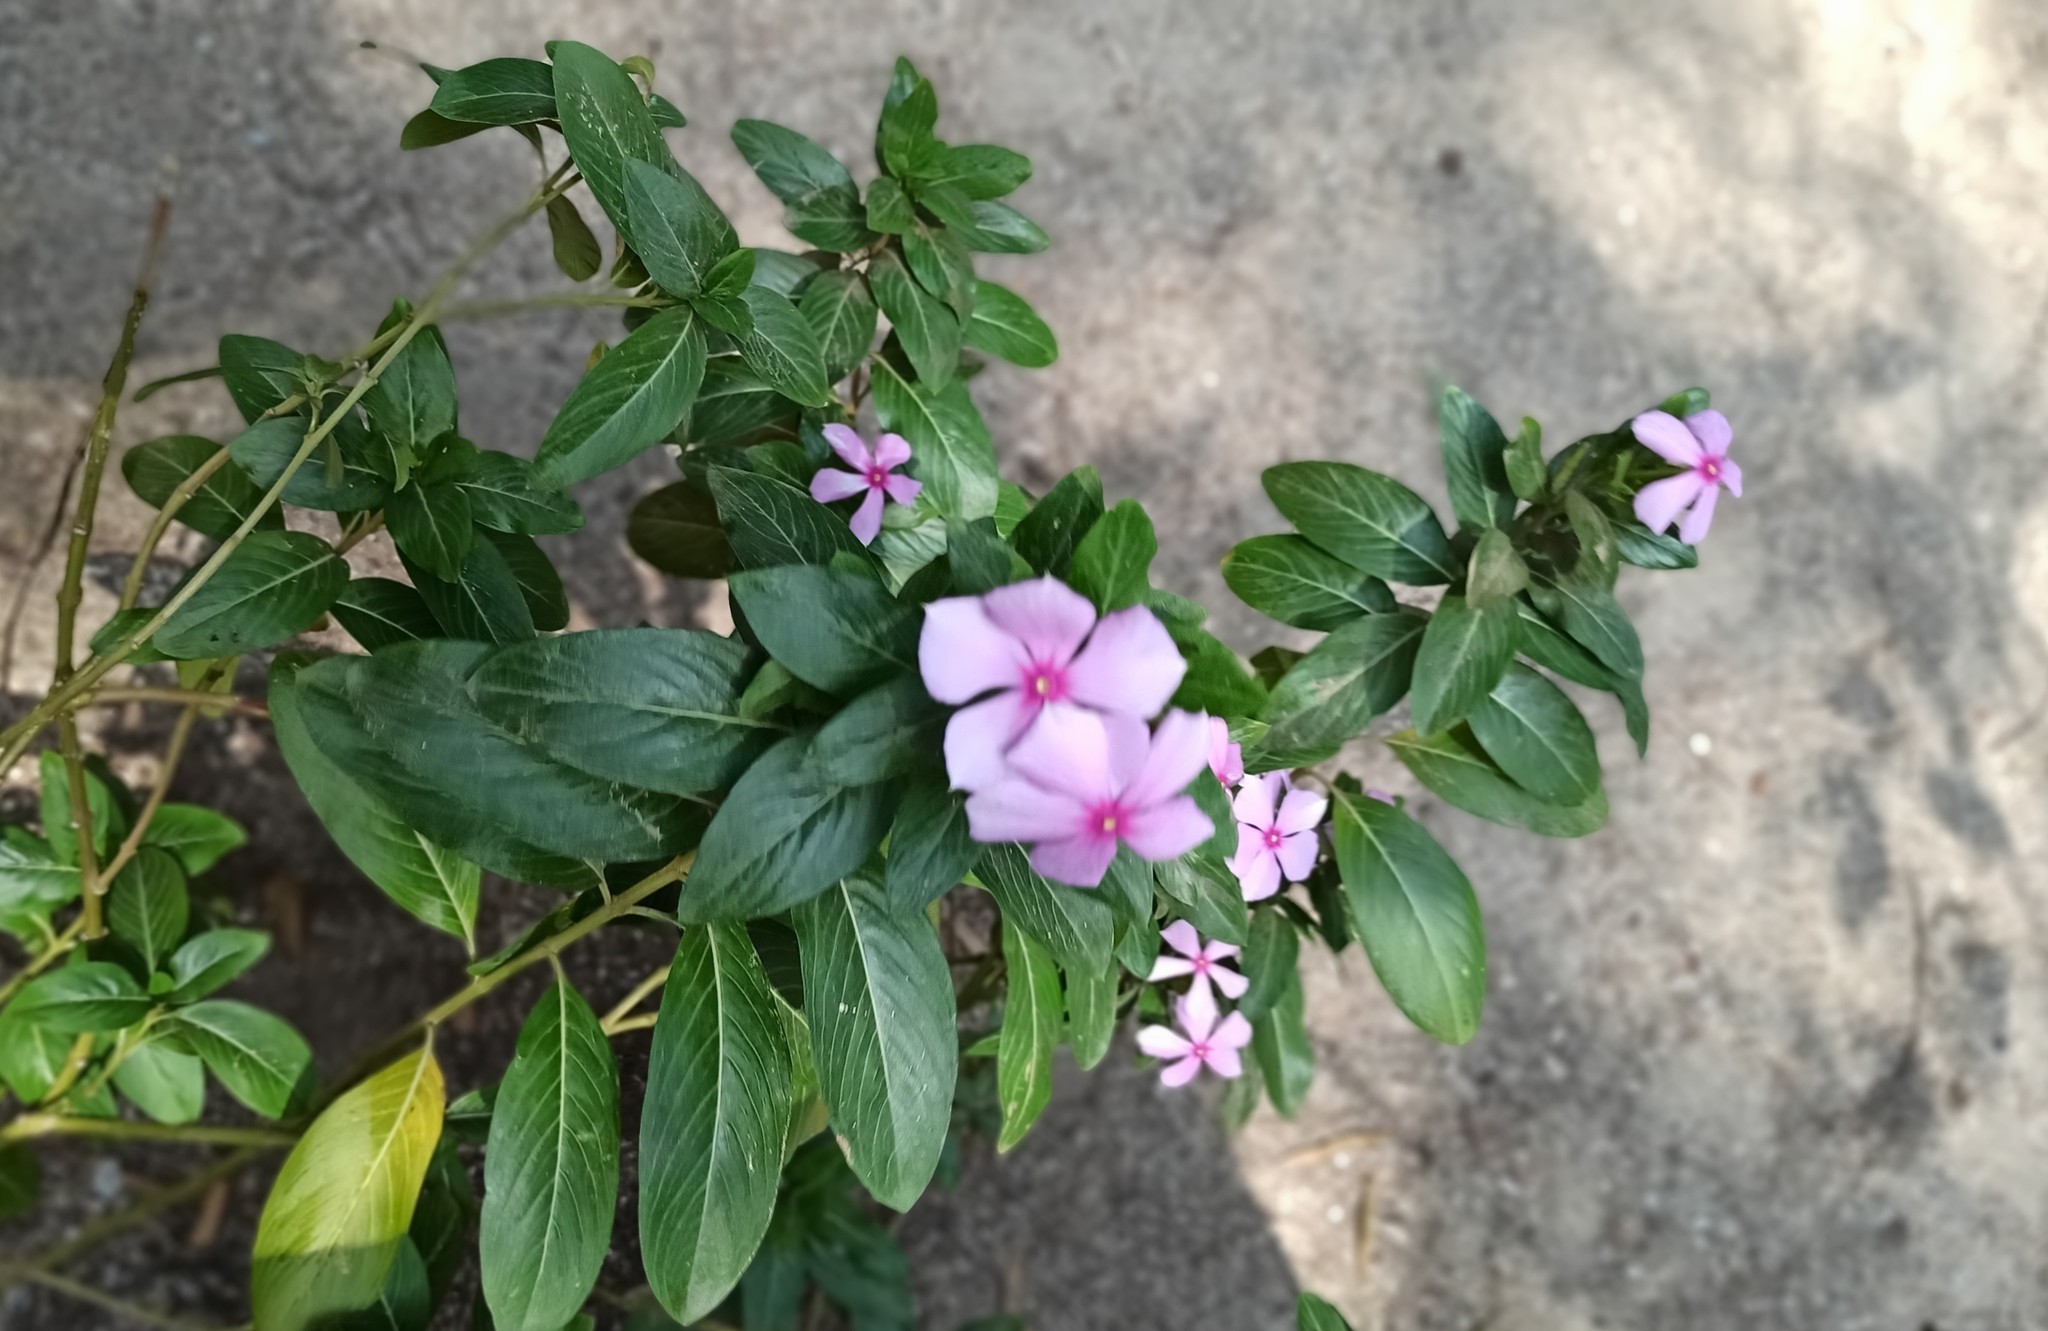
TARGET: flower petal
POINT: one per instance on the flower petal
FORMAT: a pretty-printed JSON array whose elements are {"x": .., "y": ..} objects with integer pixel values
[
  {"x": 1666, "y": 436},
  {"x": 1260, "y": 877},
  {"x": 961, "y": 655},
  {"x": 1711, "y": 428},
  {"x": 1181, "y": 1073},
  {"x": 849, "y": 446},
  {"x": 1047, "y": 616},
  {"x": 1179, "y": 753},
  {"x": 1182, "y": 938},
  {"x": 1015, "y": 810},
  {"x": 1217, "y": 950},
  {"x": 1253, "y": 806},
  {"x": 891, "y": 450},
  {"x": 1251, "y": 843},
  {"x": 1731, "y": 476},
  {"x": 1166, "y": 831},
  {"x": 1197, "y": 1010},
  {"x": 1225, "y": 1062},
  {"x": 1078, "y": 861},
  {"x": 1067, "y": 750},
  {"x": 1694, "y": 529},
  {"x": 830, "y": 485},
  {"x": 1130, "y": 665},
  {"x": 1170, "y": 968},
  {"x": 902, "y": 489},
  {"x": 1226, "y": 760},
  {"x": 1301, "y": 811},
  {"x": 1234, "y": 1033},
  {"x": 1162, "y": 1042},
  {"x": 1297, "y": 855},
  {"x": 867, "y": 519},
  {"x": 1375, "y": 793},
  {"x": 1229, "y": 981},
  {"x": 1659, "y": 502},
  {"x": 978, "y": 736}
]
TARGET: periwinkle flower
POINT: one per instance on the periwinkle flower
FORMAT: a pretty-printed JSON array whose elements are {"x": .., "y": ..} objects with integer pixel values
[
  {"x": 1276, "y": 834},
  {"x": 1202, "y": 1041},
  {"x": 1699, "y": 443},
  {"x": 872, "y": 473},
  {"x": 1226, "y": 759},
  {"x": 1202, "y": 960}
]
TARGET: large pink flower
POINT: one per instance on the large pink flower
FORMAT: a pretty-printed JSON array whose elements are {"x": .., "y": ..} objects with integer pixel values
[
  {"x": 1082, "y": 781},
  {"x": 1699, "y": 443},
  {"x": 871, "y": 473},
  {"x": 1276, "y": 837},
  {"x": 1206, "y": 1042},
  {"x": 1203, "y": 961},
  {"x": 1023, "y": 643}
]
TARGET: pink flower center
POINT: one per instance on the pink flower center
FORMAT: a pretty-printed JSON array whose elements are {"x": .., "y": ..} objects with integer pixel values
[
  {"x": 1272, "y": 837},
  {"x": 1710, "y": 469},
  {"x": 1044, "y": 682},
  {"x": 1200, "y": 1050},
  {"x": 1105, "y": 818},
  {"x": 877, "y": 477},
  {"x": 1202, "y": 965}
]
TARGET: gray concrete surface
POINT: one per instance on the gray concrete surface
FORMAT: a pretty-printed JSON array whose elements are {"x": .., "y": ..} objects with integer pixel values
[{"x": 1766, "y": 1052}]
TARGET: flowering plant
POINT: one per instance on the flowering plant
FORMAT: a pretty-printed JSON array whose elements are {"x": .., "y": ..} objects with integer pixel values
[{"x": 941, "y": 692}]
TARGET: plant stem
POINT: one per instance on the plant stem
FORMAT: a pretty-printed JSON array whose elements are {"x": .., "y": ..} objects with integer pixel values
[
  {"x": 227, "y": 702},
  {"x": 134, "y": 1312},
  {"x": 74, "y": 1064},
  {"x": 633, "y": 999},
  {"x": 353, "y": 537},
  {"x": 91, "y": 887},
  {"x": 59, "y": 947},
  {"x": 563, "y": 300},
  {"x": 27, "y": 1126},
  {"x": 131, "y": 591},
  {"x": 181, "y": 733},
  {"x": 621, "y": 1025}
]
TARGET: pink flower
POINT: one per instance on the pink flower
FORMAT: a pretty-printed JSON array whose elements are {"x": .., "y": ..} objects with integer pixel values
[
  {"x": 1024, "y": 643},
  {"x": 1226, "y": 760},
  {"x": 1204, "y": 962},
  {"x": 1082, "y": 781},
  {"x": 1375, "y": 793},
  {"x": 1206, "y": 1042},
  {"x": 1699, "y": 443},
  {"x": 1274, "y": 841},
  {"x": 830, "y": 486}
]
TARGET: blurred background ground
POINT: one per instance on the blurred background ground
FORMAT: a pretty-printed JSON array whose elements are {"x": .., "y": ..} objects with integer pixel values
[{"x": 1765, "y": 1052}]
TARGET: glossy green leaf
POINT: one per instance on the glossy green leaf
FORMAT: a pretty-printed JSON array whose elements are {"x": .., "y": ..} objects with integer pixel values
[
  {"x": 107, "y": 639},
  {"x": 1495, "y": 572},
  {"x": 196, "y": 835},
  {"x": 889, "y": 208},
  {"x": 1030, "y": 1034},
  {"x": 32, "y": 880},
  {"x": 486, "y": 604},
  {"x": 55, "y": 787},
  {"x": 889, "y": 731},
  {"x": 1638, "y": 545},
  {"x": 576, "y": 250},
  {"x": 1216, "y": 681},
  {"x": 718, "y": 1101},
  {"x": 930, "y": 332},
  {"x": 257, "y": 1056},
  {"x": 1091, "y": 1012},
  {"x": 412, "y": 403},
  {"x": 676, "y": 529},
  {"x": 1311, "y": 1313},
  {"x": 147, "y": 905},
  {"x": 1207, "y": 892},
  {"x": 720, "y": 296},
  {"x": 265, "y": 449},
  {"x": 606, "y": 124},
  {"x": 1415, "y": 913},
  {"x": 207, "y": 961},
  {"x": 31, "y": 1056},
  {"x": 950, "y": 447},
  {"x": 1595, "y": 532},
  {"x": 836, "y": 631},
  {"x": 1004, "y": 325},
  {"x": 737, "y": 406},
  {"x": 978, "y": 170},
  {"x": 1596, "y": 622},
  {"x": 441, "y": 1219},
  {"x": 380, "y": 611},
  {"x": 551, "y": 1168},
  {"x": 834, "y": 220},
  {"x": 771, "y": 522},
  {"x": 168, "y": 1086},
  {"x": 1369, "y": 521},
  {"x": 504, "y": 91},
  {"x": 220, "y": 503},
  {"x": 1287, "y": 1061},
  {"x": 432, "y": 525},
  {"x": 258, "y": 373},
  {"x": 1523, "y": 461},
  {"x": 1545, "y": 644},
  {"x": 431, "y": 129},
  {"x": 540, "y": 586},
  {"x": 1050, "y": 533},
  {"x": 842, "y": 313},
  {"x": 1073, "y": 923},
  {"x": 1113, "y": 562},
  {"x": 930, "y": 848},
  {"x": 1465, "y": 650},
  {"x": 879, "y": 999},
  {"x": 1473, "y": 448},
  {"x": 341, "y": 1205},
  {"x": 1538, "y": 737},
  {"x": 942, "y": 266},
  {"x": 627, "y": 403},
  {"x": 793, "y": 168},
  {"x": 88, "y": 996},
  {"x": 783, "y": 349},
  {"x": 504, "y": 496},
  {"x": 1289, "y": 579},
  {"x": 1452, "y": 764},
  {"x": 904, "y": 139},
  {"x": 1270, "y": 960},
  {"x": 274, "y": 584},
  {"x": 997, "y": 228},
  {"x": 678, "y": 232}
]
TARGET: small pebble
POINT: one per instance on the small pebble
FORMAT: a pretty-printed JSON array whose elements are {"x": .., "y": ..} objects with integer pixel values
[
  {"x": 1335, "y": 1215},
  {"x": 1701, "y": 744}
]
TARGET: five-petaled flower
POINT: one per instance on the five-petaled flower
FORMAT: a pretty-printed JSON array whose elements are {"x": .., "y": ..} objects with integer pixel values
[
  {"x": 1276, "y": 837},
  {"x": 1024, "y": 645},
  {"x": 1226, "y": 759},
  {"x": 871, "y": 473},
  {"x": 1206, "y": 1042},
  {"x": 1080, "y": 782},
  {"x": 1203, "y": 961},
  {"x": 1699, "y": 443}
]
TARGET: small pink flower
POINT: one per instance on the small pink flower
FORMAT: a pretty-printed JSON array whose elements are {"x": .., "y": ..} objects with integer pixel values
[
  {"x": 1273, "y": 842},
  {"x": 1203, "y": 961},
  {"x": 1375, "y": 793},
  {"x": 1226, "y": 760},
  {"x": 871, "y": 472},
  {"x": 1082, "y": 781},
  {"x": 1206, "y": 1042},
  {"x": 1699, "y": 443},
  {"x": 1023, "y": 643}
]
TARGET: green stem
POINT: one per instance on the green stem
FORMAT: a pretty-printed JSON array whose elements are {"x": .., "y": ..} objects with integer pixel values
[
  {"x": 148, "y": 390},
  {"x": 28, "y": 1126},
  {"x": 632, "y": 1000},
  {"x": 91, "y": 886},
  {"x": 131, "y": 591},
  {"x": 59, "y": 947},
  {"x": 191, "y": 697},
  {"x": 562, "y": 300}
]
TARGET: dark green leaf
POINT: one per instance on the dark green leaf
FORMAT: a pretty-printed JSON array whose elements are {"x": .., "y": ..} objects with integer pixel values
[
  {"x": 1207, "y": 892},
  {"x": 887, "y": 732},
  {"x": 1031, "y": 1031},
  {"x": 784, "y": 350},
  {"x": 1465, "y": 650},
  {"x": 930, "y": 332},
  {"x": 942, "y": 266},
  {"x": 504, "y": 91},
  {"x": 107, "y": 823},
  {"x": 930, "y": 849},
  {"x": 1091, "y": 1013},
  {"x": 1596, "y": 621},
  {"x": 606, "y": 125},
  {"x": 771, "y": 522},
  {"x": 210, "y": 960},
  {"x": 430, "y": 129},
  {"x": 627, "y": 403},
  {"x": 718, "y": 1101},
  {"x": 1369, "y": 521},
  {"x": 904, "y": 140},
  {"x": 842, "y": 314},
  {"x": 1004, "y": 325},
  {"x": 836, "y": 631},
  {"x": 978, "y": 560},
  {"x": 504, "y": 496},
  {"x": 31, "y": 1056},
  {"x": 551, "y": 1168},
  {"x": 720, "y": 300},
  {"x": 1270, "y": 961},
  {"x": 89, "y": 996},
  {"x": 1523, "y": 462},
  {"x": 486, "y": 604},
  {"x": 275, "y": 584},
  {"x": 1313, "y": 1314},
  {"x": 107, "y": 639},
  {"x": 678, "y": 232},
  {"x": 32, "y": 882},
  {"x": 540, "y": 586},
  {"x": 793, "y": 168},
  {"x": 168, "y": 1086},
  {"x": 1473, "y": 446},
  {"x": 676, "y": 529},
  {"x": 834, "y": 219},
  {"x": 667, "y": 115},
  {"x": 949, "y": 205},
  {"x": 889, "y": 209},
  {"x": 736, "y": 405},
  {"x": 879, "y": 999},
  {"x": 1072, "y": 923},
  {"x": 1635, "y": 543},
  {"x": 196, "y": 836},
  {"x": 1287, "y": 1061},
  {"x": 978, "y": 170},
  {"x": 20, "y": 1180},
  {"x": 258, "y": 1057},
  {"x": 431, "y": 525},
  {"x": 1291, "y": 580},
  {"x": 577, "y": 252},
  {"x": 1415, "y": 913},
  {"x": 1453, "y": 765},
  {"x": 1113, "y": 562},
  {"x": 997, "y": 228},
  {"x": 220, "y": 503},
  {"x": 258, "y": 373},
  {"x": 1495, "y": 572},
  {"x": 266, "y": 448},
  {"x": 380, "y": 611},
  {"x": 1538, "y": 738},
  {"x": 950, "y": 448},
  {"x": 1216, "y": 681},
  {"x": 147, "y": 905},
  {"x": 1049, "y": 534},
  {"x": 412, "y": 404}
]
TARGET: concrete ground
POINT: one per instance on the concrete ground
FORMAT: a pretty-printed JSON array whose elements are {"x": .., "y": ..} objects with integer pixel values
[{"x": 1768, "y": 1051}]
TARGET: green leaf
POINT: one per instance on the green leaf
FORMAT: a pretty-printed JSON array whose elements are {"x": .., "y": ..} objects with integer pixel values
[
  {"x": 1415, "y": 913},
  {"x": 31, "y": 1056},
  {"x": 343, "y": 1201},
  {"x": 431, "y": 524},
  {"x": 666, "y": 114},
  {"x": 1465, "y": 650},
  {"x": 718, "y": 1101},
  {"x": 1091, "y": 1012},
  {"x": 266, "y": 448},
  {"x": 794, "y": 169},
  {"x": 107, "y": 639},
  {"x": 676, "y": 529},
  {"x": 86, "y": 996},
  {"x": 879, "y": 998},
  {"x": 678, "y": 232},
  {"x": 1031, "y": 1031},
  {"x": 1634, "y": 543},
  {"x": 272, "y": 586},
  {"x": 430, "y": 129},
  {"x": 504, "y": 91},
  {"x": 32, "y": 881},
  {"x": 1216, "y": 681},
  {"x": 1073, "y": 923},
  {"x": 978, "y": 560},
  {"x": 147, "y": 905},
  {"x": 21, "y": 1178},
  {"x": 258, "y": 1057},
  {"x": 1495, "y": 572},
  {"x": 1452, "y": 764},
  {"x": 930, "y": 848},
  {"x": 258, "y": 373},
  {"x": 977, "y": 170},
  {"x": 834, "y": 220},
  {"x": 551, "y": 1168},
  {"x": 942, "y": 266},
  {"x": 904, "y": 139},
  {"x": 486, "y": 604},
  {"x": 842, "y": 313},
  {"x": 577, "y": 252},
  {"x": 380, "y": 611},
  {"x": 168, "y": 1086},
  {"x": 412, "y": 403},
  {"x": 1313, "y": 1314},
  {"x": 627, "y": 403},
  {"x": 1113, "y": 562},
  {"x": 196, "y": 835},
  {"x": 1596, "y": 537},
  {"x": 210, "y": 960},
  {"x": 889, "y": 209},
  {"x": 606, "y": 125},
  {"x": 784, "y": 350},
  {"x": 1055, "y": 527},
  {"x": 1543, "y": 643},
  {"x": 220, "y": 503},
  {"x": 836, "y": 631},
  {"x": 540, "y": 586},
  {"x": 1289, "y": 579},
  {"x": 783, "y": 835},
  {"x": 997, "y": 228},
  {"x": 442, "y": 1217},
  {"x": 720, "y": 299},
  {"x": 950, "y": 448},
  {"x": 1538, "y": 737},
  {"x": 1596, "y": 621},
  {"x": 1270, "y": 961},
  {"x": 55, "y": 788},
  {"x": 1004, "y": 325},
  {"x": 652, "y": 708},
  {"x": 1473, "y": 462},
  {"x": 735, "y": 405},
  {"x": 771, "y": 522},
  {"x": 1523, "y": 461},
  {"x": 1369, "y": 521},
  {"x": 1287, "y": 1061},
  {"x": 504, "y": 496},
  {"x": 1207, "y": 891},
  {"x": 889, "y": 731},
  {"x": 929, "y": 331}
]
